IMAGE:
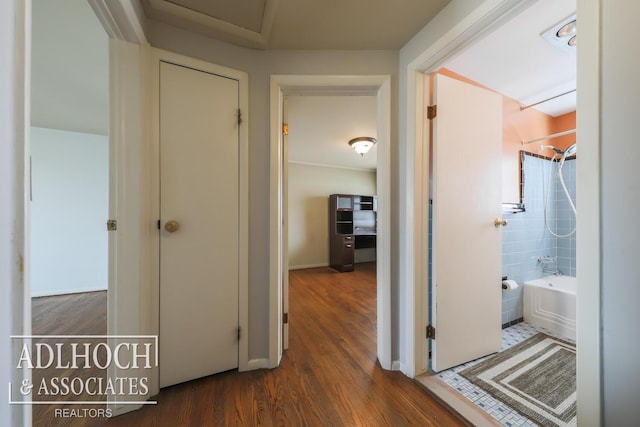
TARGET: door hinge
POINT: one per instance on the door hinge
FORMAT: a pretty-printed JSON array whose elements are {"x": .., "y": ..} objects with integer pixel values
[
  {"x": 112, "y": 225},
  {"x": 238, "y": 333},
  {"x": 285, "y": 318},
  {"x": 239, "y": 117},
  {"x": 432, "y": 112},
  {"x": 158, "y": 224},
  {"x": 431, "y": 332},
  {"x": 285, "y": 129}
]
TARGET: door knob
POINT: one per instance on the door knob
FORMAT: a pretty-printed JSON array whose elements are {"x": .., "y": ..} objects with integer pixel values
[
  {"x": 171, "y": 226},
  {"x": 500, "y": 222}
]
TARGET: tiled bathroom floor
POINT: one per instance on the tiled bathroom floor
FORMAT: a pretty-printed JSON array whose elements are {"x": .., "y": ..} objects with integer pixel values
[{"x": 498, "y": 410}]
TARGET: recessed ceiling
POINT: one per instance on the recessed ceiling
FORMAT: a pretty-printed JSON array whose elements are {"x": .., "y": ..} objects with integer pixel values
[
  {"x": 516, "y": 61},
  {"x": 300, "y": 24},
  {"x": 246, "y": 14}
]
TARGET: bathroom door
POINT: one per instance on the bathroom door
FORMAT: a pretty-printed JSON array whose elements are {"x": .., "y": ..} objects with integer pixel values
[
  {"x": 467, "y": 245},
  {"x": 199, "y": 233}
]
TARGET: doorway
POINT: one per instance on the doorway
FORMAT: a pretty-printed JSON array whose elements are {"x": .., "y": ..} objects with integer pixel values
[
  {"x": 320, "y": 163},
  {"x": 379, "y": 87},
  {"x": 523, "y": 125},
  {"x": 69, "y": 186},
  {"x": 538, "y": 108},
  {"x": 69, "y": 191}
]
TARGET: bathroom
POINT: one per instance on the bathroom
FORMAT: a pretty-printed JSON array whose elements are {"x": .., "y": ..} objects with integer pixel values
[
  {"x": 538, "y": 236},
  {"x": 529, "y": 249},
  {"x": 540, "y": 241},
  {"x": 530, "y": 252}
]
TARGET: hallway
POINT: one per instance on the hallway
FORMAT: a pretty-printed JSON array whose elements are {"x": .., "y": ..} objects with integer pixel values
[{"x": 329, "y": 375}]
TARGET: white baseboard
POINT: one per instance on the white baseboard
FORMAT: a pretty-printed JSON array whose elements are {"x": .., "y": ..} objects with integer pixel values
[
  {"x": 397, "y": 365},
  {"x": 49, "y": 293},
  {"x": 257, "y": 364},
  {"x": 303, "y": 267}
]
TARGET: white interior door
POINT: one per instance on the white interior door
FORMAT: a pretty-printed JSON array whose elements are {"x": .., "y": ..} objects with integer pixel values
[
  {"x": 467, "y": 246},
  {"x": 199, "y": 191}
]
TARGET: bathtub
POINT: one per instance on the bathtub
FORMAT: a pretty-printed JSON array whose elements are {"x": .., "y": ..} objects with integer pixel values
[{"x": 550, "y": 303}]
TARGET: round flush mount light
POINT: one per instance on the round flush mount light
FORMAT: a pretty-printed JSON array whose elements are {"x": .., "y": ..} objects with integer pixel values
[
  {"x": 573, "y": 41},
  {"x": 362, "y": 144}
]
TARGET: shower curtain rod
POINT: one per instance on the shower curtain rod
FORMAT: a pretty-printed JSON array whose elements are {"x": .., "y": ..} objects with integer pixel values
[
  {"x": 522, "y": 108},
  {"x": 555, "y": 135}
]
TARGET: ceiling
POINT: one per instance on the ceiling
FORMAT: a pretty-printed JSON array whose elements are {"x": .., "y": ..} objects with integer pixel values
[
  {"x": 517, "y": 62},
  {"x": 300, "y": 24},
  {"x": 320, "y": 127},
  {"x": 70, "y": 68},
  {"x": 70, "y": 49}
]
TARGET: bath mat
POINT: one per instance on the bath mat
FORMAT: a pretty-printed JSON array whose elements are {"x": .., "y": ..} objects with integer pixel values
[{"x": 536, "y": 378}]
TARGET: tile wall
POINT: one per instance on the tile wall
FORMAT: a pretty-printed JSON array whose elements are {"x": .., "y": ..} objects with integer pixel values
[
  {"x": 526, "y": 238},
  {"x": 566, "y": 221}
]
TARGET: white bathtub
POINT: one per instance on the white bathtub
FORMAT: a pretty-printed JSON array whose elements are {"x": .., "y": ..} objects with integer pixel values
[{"x": 550, "y": 303}]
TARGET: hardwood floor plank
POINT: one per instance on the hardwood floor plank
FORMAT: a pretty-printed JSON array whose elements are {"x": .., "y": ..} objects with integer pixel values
[
  {"x": 71, "y": 314},
  {"x": 329, "y": 376}
]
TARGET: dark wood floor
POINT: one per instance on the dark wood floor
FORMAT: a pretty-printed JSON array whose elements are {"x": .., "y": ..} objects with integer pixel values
[
  {"x": 73, "y": 314},
  {"x": 328, "y": 377}
]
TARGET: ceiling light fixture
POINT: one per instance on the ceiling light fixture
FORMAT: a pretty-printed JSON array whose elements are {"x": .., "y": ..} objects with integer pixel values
[
  {"x": 362, "y": 144},
  {"x": 567, "y": 30},
  {"x": 563, "y": 35}
]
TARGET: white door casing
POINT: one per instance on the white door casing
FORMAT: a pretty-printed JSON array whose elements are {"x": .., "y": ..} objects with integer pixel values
[
  {"x": 199, "y": 262},
  {"x": 285, "y": 228},
  {"x": 382, "y": 83},
  {"x": 467, "y": 245}
]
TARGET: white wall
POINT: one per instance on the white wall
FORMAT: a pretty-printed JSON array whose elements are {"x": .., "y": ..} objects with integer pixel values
[
  {"x": 69, "y": 209},
  {"x": 309, "y": 190}
]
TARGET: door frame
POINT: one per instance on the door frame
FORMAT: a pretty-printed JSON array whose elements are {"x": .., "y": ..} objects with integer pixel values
[
  {"x": 414, "y": 131},
  {"x": 15, "y": 107},
  {"x": 381, "y": 86},
  {"x": 156, "y": 57},
  {"x": 443, "y": 37}
]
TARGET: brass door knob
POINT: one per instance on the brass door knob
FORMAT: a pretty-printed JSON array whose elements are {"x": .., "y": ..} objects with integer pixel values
[
  {"x": 500, "y": 222},
  {"x": 171, "y": 226}
]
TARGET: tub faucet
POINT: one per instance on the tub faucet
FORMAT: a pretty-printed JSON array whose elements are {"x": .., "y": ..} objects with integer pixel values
[
  {"x": 549, "y": 265},
  {"x": 552, "y": 270}
]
